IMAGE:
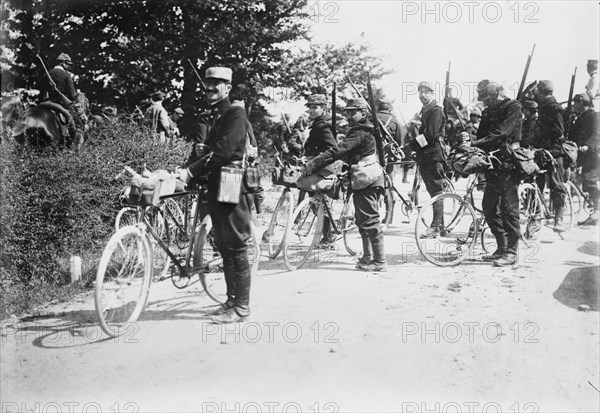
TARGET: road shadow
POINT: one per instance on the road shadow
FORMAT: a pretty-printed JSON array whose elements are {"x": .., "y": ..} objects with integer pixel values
[
  {"x": 590, "y": 248},
  {"x": 580, "y": 287}
]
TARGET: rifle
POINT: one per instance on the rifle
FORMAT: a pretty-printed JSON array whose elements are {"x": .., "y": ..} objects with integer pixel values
[
  {"x": 333, "y": 111},
  {"x": 524, "y": 78},
  {"x": 569, "y": 103},
  {"x": 449, "y": 102},
  {"x": 285, "y": 122},
  {"x": 202, "y": 85},
  {"x": 376, "y": 123},
  {"x": 64, "y": 101}
]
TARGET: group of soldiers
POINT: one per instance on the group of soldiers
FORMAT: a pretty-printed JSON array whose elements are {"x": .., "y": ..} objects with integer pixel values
[{"x": 503, "y": 125}]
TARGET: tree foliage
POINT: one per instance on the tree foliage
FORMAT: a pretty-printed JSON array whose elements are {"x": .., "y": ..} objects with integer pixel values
[
  {"x": 125, "y": 49},
  {"x": 316, "y": 68}
]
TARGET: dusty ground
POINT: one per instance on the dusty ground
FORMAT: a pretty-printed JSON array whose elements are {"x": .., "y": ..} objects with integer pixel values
[{"x": 327, "y": 338}]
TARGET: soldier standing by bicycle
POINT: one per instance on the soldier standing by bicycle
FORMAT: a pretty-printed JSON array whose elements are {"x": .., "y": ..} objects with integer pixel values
[
  {"x": 500, "y": 130},
  {"x": 585, "y": 132},
  {"x": 226, "y": 144},
  {"x": 359, "y": 149},
  {"x": 430, "y": 153},
  {"x": 320, "y": 139},
  {"x": 548, "y": 134}
]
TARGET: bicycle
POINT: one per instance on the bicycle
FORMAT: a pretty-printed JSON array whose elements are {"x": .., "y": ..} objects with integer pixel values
[
  {"x": 464, "y": 223},
  {"x": 411, "y": 204},
  {"x": 580, "y": 199},
  {"x": 534, "y": 207},
  {"x": 126, "y": 267},
  {"x": 281, "y": 219}
]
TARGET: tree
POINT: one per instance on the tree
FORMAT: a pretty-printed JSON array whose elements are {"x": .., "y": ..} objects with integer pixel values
[
  {"x": 316, "y": 68},
  {"x": 125, "y": 49}
]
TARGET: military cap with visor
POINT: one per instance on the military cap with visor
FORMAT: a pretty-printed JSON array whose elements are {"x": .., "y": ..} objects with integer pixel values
[
  {"x": 317, "y": 99},
  {"x": 546, "y": 85},
  {"x": 426, "y": 85},
  {"x": 63, "y": 57},
  {"x": 221, "y": 73},
  {"x": 582, "y": 98},
  {"x": 355, "y": 104}
]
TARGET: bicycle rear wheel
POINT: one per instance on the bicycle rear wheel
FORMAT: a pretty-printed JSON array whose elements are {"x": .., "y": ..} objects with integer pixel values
[
  {"x": 458, "y": 234},
  {"x": 488, "y": 240},
  {"x": 123, "y": 279},
  {"x": 208, "y": 263},
  {"x": 280, "y": 221},
  {"x": 352, "y": 238},
  {"x": 303, "y": 233}
]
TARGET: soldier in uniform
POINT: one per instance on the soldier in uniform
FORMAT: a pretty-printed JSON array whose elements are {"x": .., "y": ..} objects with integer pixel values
[
  {"x": 359, "y": 146},
  {"x": 586, "y": 134},
  {"x": 548, "y": 134},
  {"x": 289, "y": 141},
  {"x": 391, "y": 123},
  {"x": 226, "y": 144},
  {"x": 320, "y": 139},
  {"x": 530, "y": 117},
  {"x": 473, "y": 123},
  {"x": 158, "y": 118},
  {"x": 430, "y": 152},
  {"x": 500, "y": 130},
  {"x": 64, "y": 83}
]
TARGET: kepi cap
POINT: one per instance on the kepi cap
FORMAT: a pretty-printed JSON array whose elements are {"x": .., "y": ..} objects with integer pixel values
[
  {"x": 546, "y": 85},
  {"x": 582, "y": 97},
  {"x": 356, "y": 104},
  {"x": 158, "y": 96},
  {"x": 63, "y": 57},
  {"x": 426, "y": 85},
  {"x": 317, "y": 99},
  {"x": 222, "y": 73}
]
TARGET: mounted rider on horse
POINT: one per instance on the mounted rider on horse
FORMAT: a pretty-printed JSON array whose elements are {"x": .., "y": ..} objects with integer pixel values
[{"x": 58, "y": 94}]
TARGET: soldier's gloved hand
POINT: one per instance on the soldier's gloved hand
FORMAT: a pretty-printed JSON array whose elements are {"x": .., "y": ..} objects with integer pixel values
[
  {"x": 583, "y": 148},
  {"x": 465, "y": 138}
]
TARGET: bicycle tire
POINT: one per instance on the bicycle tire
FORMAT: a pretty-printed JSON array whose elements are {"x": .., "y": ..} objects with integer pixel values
[
  {"x": 351, "y": 235},
  {"x": 529, "y": 207},
  {"x": 459, "y": 233},
  {"x": 280, "y": 221},
  {"x": 303, "y": 234},
  {"x": 176, "y": 220},
  {"x": 123, "y": 279},
  {"x": 127, "y": 216},
  {"x": 488, "y": 240},
  {"x": 208, "y": 263}
]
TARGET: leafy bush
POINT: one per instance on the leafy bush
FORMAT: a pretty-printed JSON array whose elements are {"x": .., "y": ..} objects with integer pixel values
[{"x": 55, "y": 203}]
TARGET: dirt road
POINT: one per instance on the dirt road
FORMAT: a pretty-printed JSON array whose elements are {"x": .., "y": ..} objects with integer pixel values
[{"x": 418, "y": 338}]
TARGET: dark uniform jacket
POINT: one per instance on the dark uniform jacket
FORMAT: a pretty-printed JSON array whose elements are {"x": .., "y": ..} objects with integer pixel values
[
  {"x": 549, "y": 129},
  {"x": 64, "y": 83},
  {"x": 359, "y": 143},
  {"x": 527, "y": 132},
  {"x": 320, "y": 138},
  {"x": 500, "y": 126},
  {"x": 227, "y": 139},
  {"x": 586, "y": 131},
  {"x": 432, "y": 127},
  {"x": 393, "y": 126}
]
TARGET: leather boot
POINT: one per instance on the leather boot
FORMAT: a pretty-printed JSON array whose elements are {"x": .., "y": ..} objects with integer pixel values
[
  {"x": 510, "y": 256},
  {"x": 229, "y": 273},
  {"x": 558, "y": 219},
  {"x": 367, "y": 256},
  {"x": 379, "y": 263},
  {"x": 242, "y": 284},
  {"x": 501, "y": 242},
  {"x": 437, "y": 223}
]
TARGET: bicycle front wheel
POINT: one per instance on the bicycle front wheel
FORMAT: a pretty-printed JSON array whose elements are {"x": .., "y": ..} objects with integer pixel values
[
  {"x": 303, "y": 233},
  {"x": 127, "y": 216},
  {"x": 123, "y": 279},
  {"x": 457, "y": 234},
  {"x": 280, "y": 221},
  {"x": 208, "y": 263}
]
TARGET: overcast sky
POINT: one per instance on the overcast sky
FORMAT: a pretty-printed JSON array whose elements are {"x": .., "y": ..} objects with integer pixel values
[{"x": 481, "y": 39}]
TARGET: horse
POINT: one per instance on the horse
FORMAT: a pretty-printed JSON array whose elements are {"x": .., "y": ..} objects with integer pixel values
[{"x": 12, "y": 109}]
